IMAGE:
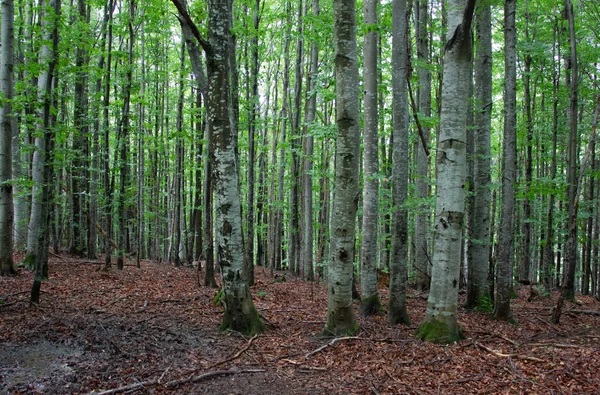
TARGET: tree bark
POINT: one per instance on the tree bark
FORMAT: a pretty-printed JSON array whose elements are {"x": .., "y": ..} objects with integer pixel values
[
  {"x": 7, "y": 126},
  {"x": 370, "y": 303},
  {"x": 502, "y": 310},
  {"x": 340, "y": 314},
  {"x": 478, "y": 286},
  {"x": 440, "y": 323}
]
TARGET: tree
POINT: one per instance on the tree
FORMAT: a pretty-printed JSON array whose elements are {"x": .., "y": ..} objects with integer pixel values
[
  {"x": 240, "y": 314},
  {"x": 502, "y": 309},
  {"x": 478, "y": 287},
  {"x": 42, "y": 158},
  {"x": 440, "y": 323},
  {"x": 340, "y": 314},
  {"x": 368, "y": 254},
  {"x": 7, "y": 125},
  {"x": 422, "y": 223},
  {"x": 397, "y": 312}
]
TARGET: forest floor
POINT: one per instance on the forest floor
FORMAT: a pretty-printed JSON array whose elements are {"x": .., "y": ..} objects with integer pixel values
[{"x": 154, "y": 330}]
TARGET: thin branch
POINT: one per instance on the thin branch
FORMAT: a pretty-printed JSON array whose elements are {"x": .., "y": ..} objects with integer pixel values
[
  {"x": 416, "y": 117},
  {"x": 331, "y": 343},
  {"x": 186, "y": 17}
]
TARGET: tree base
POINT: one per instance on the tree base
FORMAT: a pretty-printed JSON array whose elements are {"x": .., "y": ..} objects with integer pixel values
[
  {"x": 240, "y": 315},
  {"x": 439, "y": 332},
  {"x": 341, "y": 322},
  {"x": 370, "y": 306}
]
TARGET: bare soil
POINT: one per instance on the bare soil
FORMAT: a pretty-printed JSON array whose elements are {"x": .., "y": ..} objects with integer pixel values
[{"x": 154, "y": 330}]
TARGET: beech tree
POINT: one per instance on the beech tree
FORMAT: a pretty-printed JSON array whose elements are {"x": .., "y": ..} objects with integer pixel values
[
  {"x": 240, "y": 313},
  {"x": 7, "y": 125},
  {"x": 440, "y": 321},
  {"x": 340, "y": 313}
]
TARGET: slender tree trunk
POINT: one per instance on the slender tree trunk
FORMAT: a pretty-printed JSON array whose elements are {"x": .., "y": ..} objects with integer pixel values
[
  {"x": 440, "y": 323},
  {"x": 422, "y": 223},
  {"x": 570, "y": 258},
  {"x": 397, "y": 312},
  {"x": 294, "y": 232},
  {"x": 478, "y": 286},
  {"x": 502, "y": 310},
  {"x": 309, "y": 151},
  {"x": 43, "y": 153},
  {"x": 340, "y": 314},
  {"x": 7, "y": 126}
]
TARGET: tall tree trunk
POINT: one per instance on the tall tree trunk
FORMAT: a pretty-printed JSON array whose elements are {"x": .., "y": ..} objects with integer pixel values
[
  {"x": 478, "y": 286},
  {"x": 397, "y": 312},
  {"x": 309, "y": 151},
  {"x": 340, "y": 314},
  {"x": 294, "y": 233},
  {"x": 122, "y": 209},
  {"x": 502, "y": 310},
  {"x": 440, "y": 323},
  {"x": 42, "y": 160},
  {"x": 570, "y": 258},
  {"x": 254, "y": 69},
  {"x": 547, "y": 264},
  {"x": 108, "y": 186},
  {"x": 370, "y": 303},
  {"x": 79, "y": 167},
  {"x": 421, "y": 227},
  {"x": 7, "y": 126}
]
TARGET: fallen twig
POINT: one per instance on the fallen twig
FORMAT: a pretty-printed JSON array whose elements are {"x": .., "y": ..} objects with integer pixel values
[
  {"x": 110, "y": 304},
  {"x": 237, "y": 355},
  {"x": 195, "y": 379},
  {"x": 143, "y": 307},
  {"x": 125, "y": 388},
  {"x": 331, "y": 343},
  {"x": 499, "y": 354}
]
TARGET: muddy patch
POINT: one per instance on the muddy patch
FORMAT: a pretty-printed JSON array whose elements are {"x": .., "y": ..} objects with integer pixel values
[{"x": 34, "y": 367}]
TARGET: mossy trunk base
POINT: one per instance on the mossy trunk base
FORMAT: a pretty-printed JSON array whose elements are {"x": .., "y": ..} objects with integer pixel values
[
  {"x": 240, "y": 316},
  {"x": 370, "y": 306},
  {"x": 341, "y": 322},
  {"x": 435, "y": 331}
]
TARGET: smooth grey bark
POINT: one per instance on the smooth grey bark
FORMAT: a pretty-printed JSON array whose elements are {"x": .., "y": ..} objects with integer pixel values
[
  {"x": 7, "y": 126},
  {"x": 42, "y": 160},
  {"x": 478, "y": 285},
  {"x": 308, "y": 155},
  {"x": 340, "y": 313},
  {"x": 370, "y": 303},
  {"x": 397, "y": 312},
  {"x": 440, "y": 324},
  {"x": 502, "y": 310},
  {"x": 422, "y": 266},
  {"x": 178, "y": 181},
  {"x": 37, "y": 223}
]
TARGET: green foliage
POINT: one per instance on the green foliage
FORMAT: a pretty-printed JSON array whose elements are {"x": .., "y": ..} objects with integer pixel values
[
  {"x": 217, "y": 300},
  {"x": 485, "y": 304},
  {"x": 261, "y": 293}
]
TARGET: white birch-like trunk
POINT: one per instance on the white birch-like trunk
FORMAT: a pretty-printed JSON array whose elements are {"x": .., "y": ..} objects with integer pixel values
[
  {"x": 7, "y": 125},
  {"x": 440, "y": 324},
  {"x": 240, "y": 313},
  {"x": 478, "y": 286},
  {"x": 340, "y": 314},
  {"x": 368, "y": 254}
]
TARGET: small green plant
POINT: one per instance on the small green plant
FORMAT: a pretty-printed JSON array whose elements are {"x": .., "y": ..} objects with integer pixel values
[
  {"x": 217, "y": 299},
  {"x": 485, "y": 304},
  {"x": 541, "y": 291},
  {"x": 261, "y": 293}
]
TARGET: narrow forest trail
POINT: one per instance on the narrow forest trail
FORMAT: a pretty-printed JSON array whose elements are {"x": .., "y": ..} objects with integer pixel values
[{"x": 154, "y": 328}]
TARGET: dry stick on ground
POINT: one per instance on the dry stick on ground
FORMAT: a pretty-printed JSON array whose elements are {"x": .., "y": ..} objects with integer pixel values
[
  {"x": 237, "y": 355},
  {"x": 110, "y": 304},
  {"x": 331, "y": 343},
  {"x": 499, "y": 354}
]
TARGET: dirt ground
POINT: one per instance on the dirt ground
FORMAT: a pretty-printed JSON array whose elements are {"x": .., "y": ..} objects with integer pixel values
[{"x": 154, "y": 330}]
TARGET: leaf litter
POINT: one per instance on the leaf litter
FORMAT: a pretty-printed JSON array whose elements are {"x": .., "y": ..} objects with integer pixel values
[{"x": 154, "y": 330}]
